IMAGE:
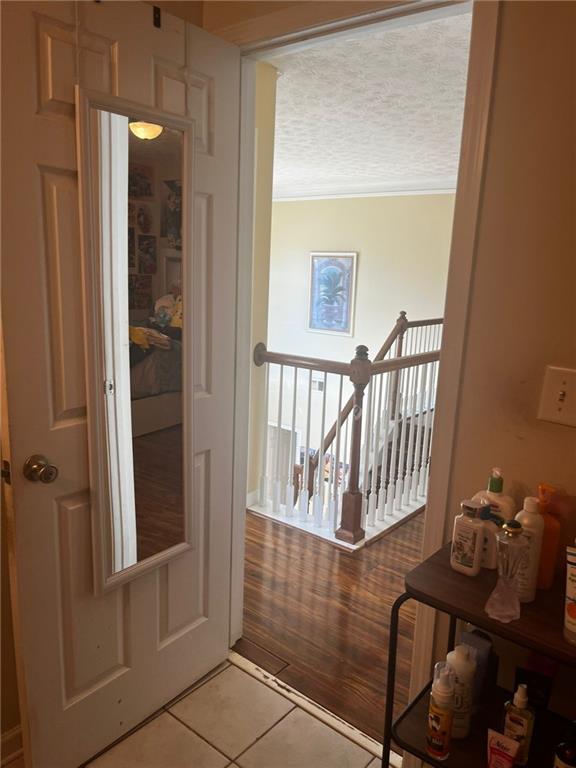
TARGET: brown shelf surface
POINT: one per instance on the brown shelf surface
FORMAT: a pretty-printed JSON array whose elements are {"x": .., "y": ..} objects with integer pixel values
[
  {"x": 539, "y": 628},
  {"x": 409, "y": 732}
]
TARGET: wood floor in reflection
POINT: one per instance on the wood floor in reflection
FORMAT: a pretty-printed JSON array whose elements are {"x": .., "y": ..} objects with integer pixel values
[
  {"x": 318, "y": 618},
  {"x": 158, "y": 490}
]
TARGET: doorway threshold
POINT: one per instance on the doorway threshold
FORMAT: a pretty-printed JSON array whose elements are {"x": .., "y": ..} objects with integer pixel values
[{"x": 320, "y": 713}]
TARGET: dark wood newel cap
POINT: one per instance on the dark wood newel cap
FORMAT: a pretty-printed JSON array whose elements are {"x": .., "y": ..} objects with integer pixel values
[{"x": 361, "y": 352}]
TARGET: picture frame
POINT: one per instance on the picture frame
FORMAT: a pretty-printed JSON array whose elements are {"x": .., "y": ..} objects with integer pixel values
[{"x": 331, "y": 292}]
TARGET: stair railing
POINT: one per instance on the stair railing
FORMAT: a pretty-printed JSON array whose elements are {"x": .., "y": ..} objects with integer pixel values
[{"x": 373, "y": 459}]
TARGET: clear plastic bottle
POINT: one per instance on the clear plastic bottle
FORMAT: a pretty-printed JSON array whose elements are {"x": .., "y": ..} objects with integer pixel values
[
  {"x": 503, "y": 604},
  {"x": 467, "y": 540}
]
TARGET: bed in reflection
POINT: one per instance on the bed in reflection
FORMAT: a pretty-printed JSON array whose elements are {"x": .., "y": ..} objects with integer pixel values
[{"x": 156, "y": 392}]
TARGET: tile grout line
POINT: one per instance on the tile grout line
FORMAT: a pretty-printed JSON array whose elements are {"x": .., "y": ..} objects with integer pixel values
[
  {"x": 265, "y": 733},
  {"x": 218, "y": 749},
  {"x": 197, "y": 685},
  {"x": 334, "y": 722},
  {"x": 202, "y": 738}
]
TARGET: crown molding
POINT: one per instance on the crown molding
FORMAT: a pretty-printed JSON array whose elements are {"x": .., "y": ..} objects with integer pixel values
[{"x": 438, "y": 186}]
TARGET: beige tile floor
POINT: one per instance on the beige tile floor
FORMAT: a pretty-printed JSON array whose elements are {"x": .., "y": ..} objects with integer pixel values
[{"x": 232, "y": 720}]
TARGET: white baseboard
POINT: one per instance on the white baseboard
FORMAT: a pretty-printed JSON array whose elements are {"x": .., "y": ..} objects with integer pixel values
[
  {"x": 252, "y": 498},
  {"x": 11, "y": 748}
]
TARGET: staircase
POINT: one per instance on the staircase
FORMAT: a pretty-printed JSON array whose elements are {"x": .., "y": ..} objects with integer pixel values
[{"x": 368, "y": 471}]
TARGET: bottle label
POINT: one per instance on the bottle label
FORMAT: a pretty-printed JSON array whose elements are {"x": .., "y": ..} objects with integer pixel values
[
  {"x": 439, "y": 730},
  {"x": 527, "y": 572},
  {"x": 462, "y": 709},
  {"x": 464, "y": 545},
  {"x": 517, "y": 728}
]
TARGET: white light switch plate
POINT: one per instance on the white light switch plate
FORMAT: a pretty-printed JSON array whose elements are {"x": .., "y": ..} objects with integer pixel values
[{"x": 558, "y": 398}]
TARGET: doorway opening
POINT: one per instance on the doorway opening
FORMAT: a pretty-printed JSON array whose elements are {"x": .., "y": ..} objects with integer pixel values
[{"x": 366, "y": 127}]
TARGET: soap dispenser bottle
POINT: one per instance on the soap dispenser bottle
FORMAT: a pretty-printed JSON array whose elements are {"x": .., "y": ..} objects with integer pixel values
[{"x": 500, "y": 504}]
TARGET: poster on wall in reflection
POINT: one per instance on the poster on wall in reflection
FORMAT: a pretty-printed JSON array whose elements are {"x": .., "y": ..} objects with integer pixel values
[
  {"x": 331, "y": 296},
  {"x": 139, "y": 291}
]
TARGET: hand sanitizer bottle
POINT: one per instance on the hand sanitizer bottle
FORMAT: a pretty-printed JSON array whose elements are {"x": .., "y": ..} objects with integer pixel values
[{"x": 519, "y": 722}]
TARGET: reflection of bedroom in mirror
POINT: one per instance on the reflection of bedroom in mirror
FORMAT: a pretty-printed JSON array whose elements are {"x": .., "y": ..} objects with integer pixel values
[
  {"x": 155, "y": 333},
  {"x": 134, "y": 183}
]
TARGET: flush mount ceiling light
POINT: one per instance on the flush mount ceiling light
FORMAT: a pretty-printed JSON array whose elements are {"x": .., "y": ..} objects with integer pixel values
[{"x": 145, "y": 130}]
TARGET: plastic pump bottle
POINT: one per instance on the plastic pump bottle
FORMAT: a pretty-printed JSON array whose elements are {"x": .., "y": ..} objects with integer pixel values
[
  {"x": 533, "y": 530},
  {"x": 439, "y": 729},
  {"x": 463, "y": 663},
  {"x": 501, "y": 504},
  {"x": 519, "y": 722}
]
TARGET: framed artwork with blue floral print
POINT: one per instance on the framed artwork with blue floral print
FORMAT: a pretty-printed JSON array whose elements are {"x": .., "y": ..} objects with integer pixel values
[{"x": 331, "y": 294}]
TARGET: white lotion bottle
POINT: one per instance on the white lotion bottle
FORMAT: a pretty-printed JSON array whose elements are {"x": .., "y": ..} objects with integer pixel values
[
  {"x": 467, "y": 540},
  {"x": 533, "y": 530},
  {"x": 500, "y": 504},
  {"x": 463, "y": 662}
]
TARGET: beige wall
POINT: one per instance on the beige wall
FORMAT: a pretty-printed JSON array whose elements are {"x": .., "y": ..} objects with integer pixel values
[
  {"x": 523, "y": 308},
  {"x": 265, "y": 109},
  {"x": 403, "y": 245}
]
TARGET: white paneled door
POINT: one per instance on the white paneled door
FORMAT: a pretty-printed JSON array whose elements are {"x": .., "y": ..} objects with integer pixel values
[{"x": 94, "y": 665}]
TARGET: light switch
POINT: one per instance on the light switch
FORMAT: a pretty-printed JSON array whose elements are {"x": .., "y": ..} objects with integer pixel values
[{"x": 558, "y": 398}]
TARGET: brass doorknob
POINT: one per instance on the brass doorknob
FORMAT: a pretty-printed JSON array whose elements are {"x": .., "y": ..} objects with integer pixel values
[{"x": 38, "y": 467}]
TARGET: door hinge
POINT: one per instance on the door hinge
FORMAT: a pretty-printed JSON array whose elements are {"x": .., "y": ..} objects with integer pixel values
[{"x": 6, "y": 472}]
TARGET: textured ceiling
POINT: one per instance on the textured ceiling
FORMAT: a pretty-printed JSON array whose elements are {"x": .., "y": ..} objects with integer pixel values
[{"x": 375, "y": 112}]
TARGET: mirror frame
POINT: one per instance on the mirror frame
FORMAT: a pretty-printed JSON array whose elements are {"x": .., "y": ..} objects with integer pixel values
[{"x": 99, "y": 460}]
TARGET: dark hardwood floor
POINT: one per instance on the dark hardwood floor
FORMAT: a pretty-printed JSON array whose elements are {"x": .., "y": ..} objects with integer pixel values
[
  {"x": 158, "y": 490},
  {"x": 318, "y": 617}
]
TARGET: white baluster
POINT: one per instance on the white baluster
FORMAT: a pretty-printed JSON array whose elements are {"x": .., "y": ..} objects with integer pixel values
[
  {"x": 372, "y": 501},
  {"x": 304, "y": 494},
  {"x": 427, "y": 429},
  {"x": 277, "y": 488},
  {"x": 263, "y": 490},
  {"x": 318, "y": 504},
  {"x": 431, "y": 429},
  {"x": 402, "y": 457},
  {"x": 290, "y": 484},
  {"x": 334, "y": 500},
  {"x": 385, "y": 438},
  {"x": 346, "y": 467},
  {"x": 410, "y": 451},
  {"x": 419, "y": 435},
  {"x": 367, "y": 445},
  {"x": 395, "y": 395}
]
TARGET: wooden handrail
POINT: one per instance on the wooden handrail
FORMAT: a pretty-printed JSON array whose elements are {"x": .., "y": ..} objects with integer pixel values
[
  {"x": 399, "y": 363},
  {"x": 421, "y": 323},
  {"x": 262, "y": 355}
]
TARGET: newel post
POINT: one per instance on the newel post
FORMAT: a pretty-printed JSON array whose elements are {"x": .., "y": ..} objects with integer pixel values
[{"x": 351, "y": 529}]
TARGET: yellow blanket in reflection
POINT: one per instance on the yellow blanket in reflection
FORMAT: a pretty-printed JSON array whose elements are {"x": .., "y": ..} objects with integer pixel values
[{"x": 148, "y": 337}]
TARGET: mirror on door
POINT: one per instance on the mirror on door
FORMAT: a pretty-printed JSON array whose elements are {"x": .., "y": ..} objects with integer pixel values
[{"x": 137, "y": 171}]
